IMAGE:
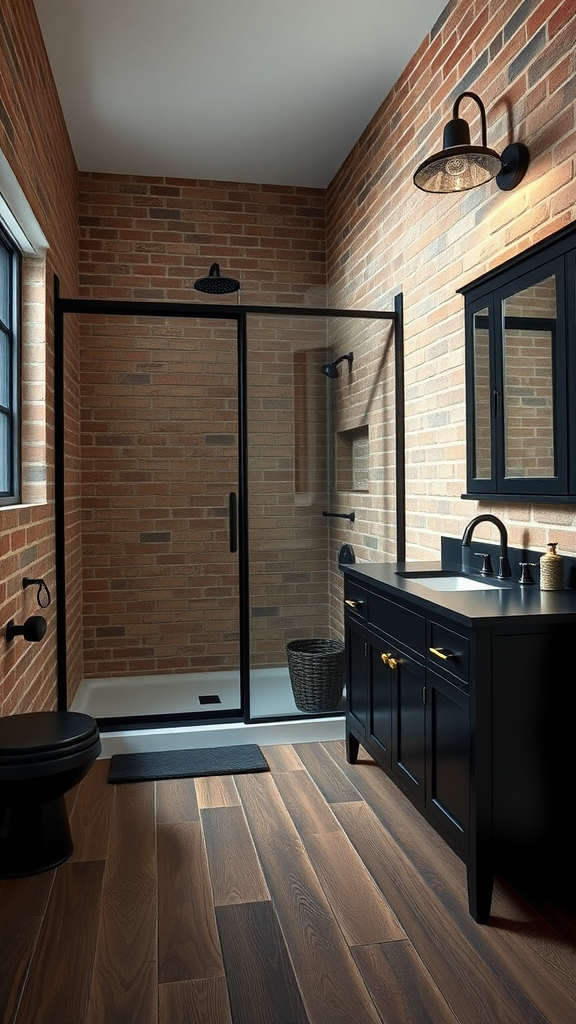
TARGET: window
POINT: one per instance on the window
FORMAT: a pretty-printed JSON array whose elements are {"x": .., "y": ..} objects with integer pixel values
[
  {"x": 521, "y": 376},
  {"x": 9, "y": 371},
  {"x": 23, "y": 248}
]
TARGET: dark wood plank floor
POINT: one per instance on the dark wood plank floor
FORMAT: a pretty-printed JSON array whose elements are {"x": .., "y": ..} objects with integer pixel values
[{"x": 310, "y": 894}]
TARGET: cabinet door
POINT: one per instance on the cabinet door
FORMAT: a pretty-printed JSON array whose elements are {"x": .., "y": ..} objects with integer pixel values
[
  {"x": 448, "y": 757},
  {"x": 408, "y": 721},
  {"x": 380, "y": 718},
  {"x": 516, "y": 384},
  {"x": 357, "y": 675}
]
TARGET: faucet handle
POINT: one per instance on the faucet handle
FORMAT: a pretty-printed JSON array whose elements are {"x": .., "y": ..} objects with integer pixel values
[
  {"x": 525, "y": 574},
  {"x": 486, "y": 567}
]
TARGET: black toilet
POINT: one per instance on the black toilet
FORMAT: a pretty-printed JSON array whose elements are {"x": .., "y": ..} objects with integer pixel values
[{"x": 42, "y": 755}]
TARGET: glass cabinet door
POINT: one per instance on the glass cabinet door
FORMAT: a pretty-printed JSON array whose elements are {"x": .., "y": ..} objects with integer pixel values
[
  {"x": 528, "y": 381},
  {"x": 482, "y": 396},
  {"x": 517, "y": 387}
]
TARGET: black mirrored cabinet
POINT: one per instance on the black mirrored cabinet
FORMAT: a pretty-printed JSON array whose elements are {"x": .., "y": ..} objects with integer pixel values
[{"x": 520, "y": 327}]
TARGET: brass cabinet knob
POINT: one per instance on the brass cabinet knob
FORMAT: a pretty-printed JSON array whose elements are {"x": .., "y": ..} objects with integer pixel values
[{"x": 390, "y": 661}]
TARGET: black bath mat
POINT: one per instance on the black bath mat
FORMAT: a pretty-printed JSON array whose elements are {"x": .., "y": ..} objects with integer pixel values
[{"x": 182, "y": 764}]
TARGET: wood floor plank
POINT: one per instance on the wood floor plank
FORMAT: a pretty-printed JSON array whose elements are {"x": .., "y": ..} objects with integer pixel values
[
  {"x": 124, "y": 984},
  {"x": 282, "y": 757},
  {"x": 23, "y": 902},
  {"x": 542, "y": 986},
  {"x": 306, "y": 805},
  {"x": 188, "y": 945},
  {"x": 329, "y": 980},
  {"x": 17, "y": 944},
  {"x": 195, "y": 1002},
  {"x": 328, "y": 776},
  {"x": 90, "y": 816},
  {"x": 235, "y": 870},
  {"x": 457, "y": 965},
  {"x": 63, "y": 982},
  {"x": 358, "y": 905},
  {"x": 176, "y": 800},
  {"x": 401, "y": 987},
  {"x": 216, "y": 791},
  {"x": 518, "y": 969},
  {"x": 24, "y": 897},
  {"x": 261, "y": 982}
]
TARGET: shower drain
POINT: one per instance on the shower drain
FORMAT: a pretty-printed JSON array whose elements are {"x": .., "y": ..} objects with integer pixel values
[{"x": 209, "y": 698}]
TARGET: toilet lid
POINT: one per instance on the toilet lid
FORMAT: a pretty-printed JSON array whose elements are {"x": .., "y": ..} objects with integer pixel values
[{"x": 41, "y": 735}]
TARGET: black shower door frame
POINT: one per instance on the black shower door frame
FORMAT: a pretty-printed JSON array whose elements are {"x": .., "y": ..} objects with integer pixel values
[{"x": 208, "y": 311}]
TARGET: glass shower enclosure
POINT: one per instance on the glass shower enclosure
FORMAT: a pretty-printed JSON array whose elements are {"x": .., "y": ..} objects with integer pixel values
[{"x": 206, "y": 464}]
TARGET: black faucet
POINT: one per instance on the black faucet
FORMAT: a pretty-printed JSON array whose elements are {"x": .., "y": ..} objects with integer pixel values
[{"x": 504, "y": 572}]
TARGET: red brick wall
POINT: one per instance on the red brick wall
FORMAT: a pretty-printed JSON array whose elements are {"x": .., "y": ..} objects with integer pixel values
[
  {"x": 159, "y": 413},
  {"x": 384, "y": 235},
  {"x": 150, "y": 238},
  {"x": 34, "y": 141}
]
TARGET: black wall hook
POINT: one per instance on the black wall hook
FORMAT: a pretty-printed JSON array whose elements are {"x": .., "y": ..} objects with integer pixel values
[
  {"x": 33, "y": 629},
  {"x": 43, "y": 595}
]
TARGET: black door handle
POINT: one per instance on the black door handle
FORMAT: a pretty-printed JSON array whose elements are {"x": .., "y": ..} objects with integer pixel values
[{"x": 233, "y": 522}]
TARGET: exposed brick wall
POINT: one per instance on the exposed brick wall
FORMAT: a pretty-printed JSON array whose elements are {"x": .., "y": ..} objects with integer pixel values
[
  {"x": 384, "y": 235},
  {"x": 159, "y": 415},
  {"x": 150, "y": 238},
  {"x": 34, "y": 141}
]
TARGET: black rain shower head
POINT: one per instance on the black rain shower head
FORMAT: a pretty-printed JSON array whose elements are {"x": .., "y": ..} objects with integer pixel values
[
  {"x": 216, "y": 285},
  {"x": 330, "y": 369}
]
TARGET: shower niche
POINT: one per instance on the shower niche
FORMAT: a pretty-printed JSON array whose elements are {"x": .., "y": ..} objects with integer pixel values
[{"x": 352, "y": 450}]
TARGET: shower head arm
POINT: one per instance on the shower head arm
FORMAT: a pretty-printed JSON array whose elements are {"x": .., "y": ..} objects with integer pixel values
[
  {"x": 330, "y": 369},
  {"x": 349, "y": 357}
]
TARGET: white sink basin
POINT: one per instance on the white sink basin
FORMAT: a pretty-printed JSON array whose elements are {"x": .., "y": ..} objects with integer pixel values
[
  {"x": 455, "y": 583},
  {"x": 447, "y": 582}
]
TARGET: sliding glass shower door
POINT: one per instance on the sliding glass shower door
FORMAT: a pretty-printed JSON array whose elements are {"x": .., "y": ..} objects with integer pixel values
[
  {"x": 287, "y": 494},
  {"x": 219, "y": 473},
  {"x": 159, "y": 484},
  {"x": 322, "y": 469}
]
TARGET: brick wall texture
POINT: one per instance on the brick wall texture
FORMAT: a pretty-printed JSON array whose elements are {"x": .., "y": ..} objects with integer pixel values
[
  {"x": 35, "y": 143},
  {"x": 369, "y": 236}
]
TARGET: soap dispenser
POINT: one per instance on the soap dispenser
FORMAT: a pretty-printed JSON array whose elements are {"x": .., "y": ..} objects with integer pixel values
[{"x": 551, "y": 569}]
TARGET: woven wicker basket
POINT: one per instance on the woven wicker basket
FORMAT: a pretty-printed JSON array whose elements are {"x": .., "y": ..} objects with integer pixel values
[{"x": 316, "y": 670}]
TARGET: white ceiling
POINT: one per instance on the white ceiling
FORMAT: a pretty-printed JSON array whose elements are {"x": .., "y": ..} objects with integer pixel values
[{"x": 264, "y": 91}]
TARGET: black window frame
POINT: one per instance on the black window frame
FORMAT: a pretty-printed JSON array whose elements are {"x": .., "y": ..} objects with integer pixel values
[
  {"x": 554, "y": 256},
  {"x": 11, "y": 352}
]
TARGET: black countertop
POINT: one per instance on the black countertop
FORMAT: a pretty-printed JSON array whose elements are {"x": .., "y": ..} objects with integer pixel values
[{"x": 506, "y": 600}]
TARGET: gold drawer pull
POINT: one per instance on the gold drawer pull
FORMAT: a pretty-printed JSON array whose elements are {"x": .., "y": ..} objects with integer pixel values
[
  {"x": 353, "y": 604},
  {"x": 441, "y": 652},
  {"x": 390, "y": 661}
]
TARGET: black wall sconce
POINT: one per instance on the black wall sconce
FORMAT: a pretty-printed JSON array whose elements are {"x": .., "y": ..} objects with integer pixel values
[{"x": 460, "y": 166}]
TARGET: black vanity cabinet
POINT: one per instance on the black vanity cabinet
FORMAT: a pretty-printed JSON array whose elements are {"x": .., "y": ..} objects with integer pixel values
[
  {"x": 413, "y": 718},
  {"x": 463, "y": 714}
]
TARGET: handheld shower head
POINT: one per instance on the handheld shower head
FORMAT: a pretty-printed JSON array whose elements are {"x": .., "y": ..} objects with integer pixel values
[
  {"x": 331, "y": 369},
  {"x": 216, "y": 285}
]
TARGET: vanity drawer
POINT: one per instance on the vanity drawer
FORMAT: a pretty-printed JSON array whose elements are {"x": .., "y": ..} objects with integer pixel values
[
  {"x": 404, "y": 625},
  {"x": 449, "y": 650},
  {"x": 355, "y": 599}
]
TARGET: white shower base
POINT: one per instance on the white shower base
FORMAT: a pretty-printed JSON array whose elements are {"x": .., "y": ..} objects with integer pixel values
[{"x": 270, "y": 696}]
